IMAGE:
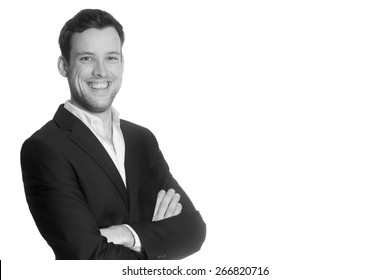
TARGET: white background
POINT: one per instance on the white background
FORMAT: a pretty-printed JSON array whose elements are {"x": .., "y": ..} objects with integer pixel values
[{"x": 273, "y": 115}]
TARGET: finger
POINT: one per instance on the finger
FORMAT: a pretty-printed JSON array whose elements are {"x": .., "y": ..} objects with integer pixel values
[
  {"x": 178, "y": 209},
  {"x": 160, "y": 197},
  {"x": 164, "y": 204},
  {"x": 172, "y": 206}
]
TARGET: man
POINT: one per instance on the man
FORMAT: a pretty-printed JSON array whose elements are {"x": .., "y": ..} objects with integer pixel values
[{"x": 98, "y": 187}]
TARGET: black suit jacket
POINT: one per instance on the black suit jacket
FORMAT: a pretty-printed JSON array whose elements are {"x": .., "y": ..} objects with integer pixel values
[{"x": 73, "y": 188}]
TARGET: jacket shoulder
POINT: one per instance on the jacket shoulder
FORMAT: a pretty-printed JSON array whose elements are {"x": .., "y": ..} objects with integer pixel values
[{"x": 48, "y": 133}]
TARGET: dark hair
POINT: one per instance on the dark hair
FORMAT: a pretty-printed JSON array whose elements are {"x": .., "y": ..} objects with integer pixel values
[{"x": 83, "y": 20}]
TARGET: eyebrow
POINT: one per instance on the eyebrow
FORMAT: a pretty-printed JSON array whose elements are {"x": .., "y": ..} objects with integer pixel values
[
  {"x": 91, "y": 53},
  {"x": 115, "y": 52},
  {"x": 84, "y": 53}
]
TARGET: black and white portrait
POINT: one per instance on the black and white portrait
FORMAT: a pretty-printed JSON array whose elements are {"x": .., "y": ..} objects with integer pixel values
[{"x": 210, "y": 133}]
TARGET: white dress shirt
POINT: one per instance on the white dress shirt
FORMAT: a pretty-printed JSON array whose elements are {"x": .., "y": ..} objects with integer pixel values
[{"x": 116, "y": 149}]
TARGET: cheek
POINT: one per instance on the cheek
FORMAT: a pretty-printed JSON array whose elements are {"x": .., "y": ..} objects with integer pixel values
[
  {"x": 119, "y": 77},
  {"x": 79, "y": 73},
  {"x": 117, "y": 71},
  {"x": 78, "y": 77},
  {"x": 79, "y": 70}
]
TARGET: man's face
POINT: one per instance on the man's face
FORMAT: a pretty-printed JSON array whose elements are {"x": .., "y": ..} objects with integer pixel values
[{"x": 95, "y": 68}]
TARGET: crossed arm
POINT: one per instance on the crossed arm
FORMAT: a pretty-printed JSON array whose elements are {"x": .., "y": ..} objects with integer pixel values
[
  {"x": 65, "y": 220},
  {"x": 167, "y": 205}
]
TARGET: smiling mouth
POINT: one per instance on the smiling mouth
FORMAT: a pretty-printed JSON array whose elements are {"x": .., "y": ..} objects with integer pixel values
[{"x": 99, "y": 85}]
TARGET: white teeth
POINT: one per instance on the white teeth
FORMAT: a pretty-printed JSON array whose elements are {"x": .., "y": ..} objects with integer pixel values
[{"x": 98, "y": 85}]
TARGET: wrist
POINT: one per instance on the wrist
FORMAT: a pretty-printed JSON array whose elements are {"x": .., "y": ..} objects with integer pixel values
[{"x": 128, "y": 237}]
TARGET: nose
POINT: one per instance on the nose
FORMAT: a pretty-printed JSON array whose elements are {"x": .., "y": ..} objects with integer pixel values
[{"x": 99, "y": 70}]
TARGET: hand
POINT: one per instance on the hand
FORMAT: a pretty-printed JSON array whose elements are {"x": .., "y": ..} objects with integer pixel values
[
  {"x": 167, "y": 205},
  {"x": 119, "y": 235}
]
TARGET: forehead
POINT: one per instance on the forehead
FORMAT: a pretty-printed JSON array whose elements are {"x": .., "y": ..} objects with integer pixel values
[{"x": 96, "y": 41}]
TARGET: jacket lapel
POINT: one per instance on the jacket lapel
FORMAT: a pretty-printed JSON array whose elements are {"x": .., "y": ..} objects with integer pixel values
[
  {"x": 83, "y": 137},
  {"x": 132, "y": 168}
]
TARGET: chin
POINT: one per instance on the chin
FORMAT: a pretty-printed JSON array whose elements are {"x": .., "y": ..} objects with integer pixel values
[
  {"x": 95, "y": 107},
  {"x": 94, "y": 103},
  {"x": 99, "y": 109}
]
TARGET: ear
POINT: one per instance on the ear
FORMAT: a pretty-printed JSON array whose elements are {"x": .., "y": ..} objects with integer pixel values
[{"x": 62, "y": 65}]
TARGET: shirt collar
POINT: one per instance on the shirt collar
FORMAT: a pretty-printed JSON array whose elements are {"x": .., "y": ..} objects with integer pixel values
[{"x": 86, "y": 117}]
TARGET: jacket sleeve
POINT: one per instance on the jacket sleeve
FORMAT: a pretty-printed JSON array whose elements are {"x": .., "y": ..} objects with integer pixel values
[
  {"x": 175, "y": 237},
  {"x": 59, "y": 208}
]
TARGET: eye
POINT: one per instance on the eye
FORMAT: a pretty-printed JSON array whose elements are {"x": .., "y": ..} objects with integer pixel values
[
  {"x": 113, "y": 59},
  {"x": 87, "y": 59}
]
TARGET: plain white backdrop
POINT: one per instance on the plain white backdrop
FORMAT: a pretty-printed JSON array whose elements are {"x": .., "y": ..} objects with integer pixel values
[{"x": 273, "y": 116}]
